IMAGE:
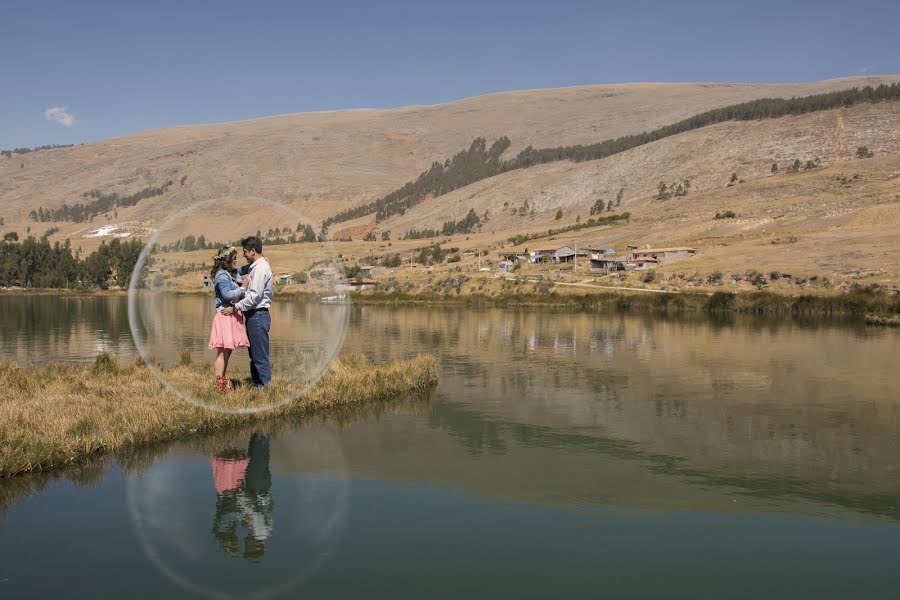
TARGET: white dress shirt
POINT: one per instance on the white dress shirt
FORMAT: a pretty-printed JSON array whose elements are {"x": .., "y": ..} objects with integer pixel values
[{"x": 259, "y": 293}]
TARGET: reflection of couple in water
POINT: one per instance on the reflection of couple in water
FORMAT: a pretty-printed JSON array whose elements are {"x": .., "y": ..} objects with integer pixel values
[{"x": 243, "y": 498}]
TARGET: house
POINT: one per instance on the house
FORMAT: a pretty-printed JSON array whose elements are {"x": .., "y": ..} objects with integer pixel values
[
  {"x": 603, "y": 259},
  {"x": 553, "y": 255},
  {"x": 285, "y": 279},
  {"x": 515, "y": 256},
  {"x": 506, "y": 266},
  {"x": 610, "y": 261},
  {"x": 641, "y": 264},
  {"x": 370, "y": 270},
  {"x": 663, "y": 256},
  {"x": 327, "y": 273}
]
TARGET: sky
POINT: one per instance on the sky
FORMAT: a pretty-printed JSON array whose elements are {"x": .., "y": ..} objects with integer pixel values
[{"x": 74, "y": 72}]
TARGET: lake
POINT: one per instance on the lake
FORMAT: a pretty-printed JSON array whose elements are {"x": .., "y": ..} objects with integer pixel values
[{"x": 562, "y": 454}]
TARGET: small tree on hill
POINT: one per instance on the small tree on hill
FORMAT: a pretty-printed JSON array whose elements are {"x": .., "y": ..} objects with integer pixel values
[
  {"x": 619, "y": 196},
  {"x": 864, "y": 152},
  {"x": 774, "y": 168},
  {"x": 558, "y": 214},
  {"x": 663, "y": 190},
  {"x": 385, "y": 236},
  {"x": 733, "y": 180}
]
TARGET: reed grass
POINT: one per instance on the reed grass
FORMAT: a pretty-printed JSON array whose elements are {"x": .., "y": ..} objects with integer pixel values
[{"x": 61, "y": 414}]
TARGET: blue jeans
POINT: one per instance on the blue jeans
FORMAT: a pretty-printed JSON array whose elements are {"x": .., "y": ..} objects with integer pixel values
[{"x": 258, "y": 324}]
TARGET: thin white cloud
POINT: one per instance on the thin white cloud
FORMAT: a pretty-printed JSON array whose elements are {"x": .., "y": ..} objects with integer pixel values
[
  {"x": 866, "y": 70},
  {"x": 61, "y": 115}
]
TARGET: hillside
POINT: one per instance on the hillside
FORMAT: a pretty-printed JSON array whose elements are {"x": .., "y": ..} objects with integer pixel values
[
  {"x": 325, "y": 162},
  {"x": 838, "y": 219}
]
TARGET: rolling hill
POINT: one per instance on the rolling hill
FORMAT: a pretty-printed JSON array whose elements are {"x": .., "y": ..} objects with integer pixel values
[{"x": 322, "y": 163}]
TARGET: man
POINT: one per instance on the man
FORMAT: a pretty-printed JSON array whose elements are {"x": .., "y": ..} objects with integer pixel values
[{"x": 255, "y": 306}]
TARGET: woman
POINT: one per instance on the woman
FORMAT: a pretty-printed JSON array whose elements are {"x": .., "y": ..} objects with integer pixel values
[{"x": 228, "y": 330}]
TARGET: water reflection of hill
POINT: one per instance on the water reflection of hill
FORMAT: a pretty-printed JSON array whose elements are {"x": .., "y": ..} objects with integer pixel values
[
  {"x": 578, "y": 407},
  {"x": 779, "y": 410}
]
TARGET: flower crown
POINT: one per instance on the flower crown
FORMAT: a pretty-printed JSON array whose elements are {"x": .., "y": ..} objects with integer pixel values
[{"x": 225, "y": 253}]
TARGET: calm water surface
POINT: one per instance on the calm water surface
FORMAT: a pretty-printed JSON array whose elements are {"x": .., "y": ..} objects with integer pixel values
[{"x": 562, "y": 454}]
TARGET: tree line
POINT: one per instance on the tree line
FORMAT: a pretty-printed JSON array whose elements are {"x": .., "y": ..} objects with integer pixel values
[
  {"x": 101, "y": 203},
  {"x": 36, "y": 263},
  {"x": 465, "y": 225},
  {"x": 479, "y": 163},
  {"x": 9, "y": 153}
]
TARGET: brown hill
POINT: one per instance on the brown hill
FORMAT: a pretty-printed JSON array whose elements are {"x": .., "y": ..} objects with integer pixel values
[{"x": 324, "y": 162}]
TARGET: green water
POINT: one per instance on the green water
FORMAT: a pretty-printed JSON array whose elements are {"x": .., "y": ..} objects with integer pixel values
[{"x": 562, "y": 454}]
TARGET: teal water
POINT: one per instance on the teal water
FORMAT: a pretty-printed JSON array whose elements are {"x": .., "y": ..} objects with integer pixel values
[{"x": 561, "y": 454}]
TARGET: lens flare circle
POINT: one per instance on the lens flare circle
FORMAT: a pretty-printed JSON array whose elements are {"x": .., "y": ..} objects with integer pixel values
[
  {"x": 179, "y": 513},
  {"x": 298, "y": 363}
]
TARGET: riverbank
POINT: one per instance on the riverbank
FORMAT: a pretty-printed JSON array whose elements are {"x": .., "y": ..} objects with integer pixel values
[
  {"x": 875, "y": 307},
  {"x": 862, "y": 304},
  {"x": 62, "y": 414}
]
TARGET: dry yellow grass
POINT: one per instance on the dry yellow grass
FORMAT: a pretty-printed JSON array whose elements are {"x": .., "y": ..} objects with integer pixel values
[{"x": 61, "y": 414}]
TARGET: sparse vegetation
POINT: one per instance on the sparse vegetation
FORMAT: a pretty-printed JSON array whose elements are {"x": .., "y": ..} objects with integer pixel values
[
  {"x": 608, "y": 220},
  {"x": 479, "y": 163},
  {"x": 10, "y": 153},
  {"x": 728, "y": 214},
  {"x": 864, "y": 152}
]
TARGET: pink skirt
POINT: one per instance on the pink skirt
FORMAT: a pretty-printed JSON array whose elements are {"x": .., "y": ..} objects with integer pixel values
[{"x": 228, "y": 331}]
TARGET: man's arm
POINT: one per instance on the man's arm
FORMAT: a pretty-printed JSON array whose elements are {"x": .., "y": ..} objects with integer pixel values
[{"x": 254, "y": 293}]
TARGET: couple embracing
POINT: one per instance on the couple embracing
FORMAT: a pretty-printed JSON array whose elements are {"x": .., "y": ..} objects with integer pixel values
[{"x": 243, "y": 298}]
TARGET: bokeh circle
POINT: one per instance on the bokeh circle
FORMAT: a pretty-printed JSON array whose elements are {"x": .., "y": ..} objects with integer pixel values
[
  {"x": 256, "y": 533},
  {"x": 170, "y": 328}
]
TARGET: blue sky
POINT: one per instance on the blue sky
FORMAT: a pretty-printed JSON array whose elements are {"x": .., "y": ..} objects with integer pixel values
[{"x": 113, "y": 68}]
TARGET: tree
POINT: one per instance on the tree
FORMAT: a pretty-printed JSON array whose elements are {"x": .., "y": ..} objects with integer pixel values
[
  {"x": 369, "y": 237},
  {"x": 2, "y": 223},
  {"x": 598, "y": 206},
  {"x": 385, "y": 236},
  {"x": 864, "y": 152},
  {"x": 11, "y": 236},
  {"x": 309, "y": 235},
  {"x": 774, "y": 168},
  {"x": 609, "y": 206},
  {"x": 558, "y": 214},
  {"x": 189, "y": 243},
  {"x": 733, "y": 180},
  {"x": 663, "y": 191},
  {"x": 619, "y": 196}
]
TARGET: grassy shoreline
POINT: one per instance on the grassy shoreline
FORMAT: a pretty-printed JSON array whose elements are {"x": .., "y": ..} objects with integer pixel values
[
  {"x": 62, "y": 414},
  {"x": 878, "y": 308},
  {"x": 862, "y": 305}
]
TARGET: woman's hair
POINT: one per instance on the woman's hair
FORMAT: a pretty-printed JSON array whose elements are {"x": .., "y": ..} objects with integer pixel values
[{"x": 222, "y": 259}]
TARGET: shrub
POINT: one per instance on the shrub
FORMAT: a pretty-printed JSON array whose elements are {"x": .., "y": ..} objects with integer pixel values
[
  {"x": 728, "y": 214},
  {"x": 720, "y": 301},
  {"x": 649, "y": 276}
]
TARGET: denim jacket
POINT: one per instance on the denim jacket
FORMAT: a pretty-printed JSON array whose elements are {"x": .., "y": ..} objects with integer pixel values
[{"x": 228, "y": 289}]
